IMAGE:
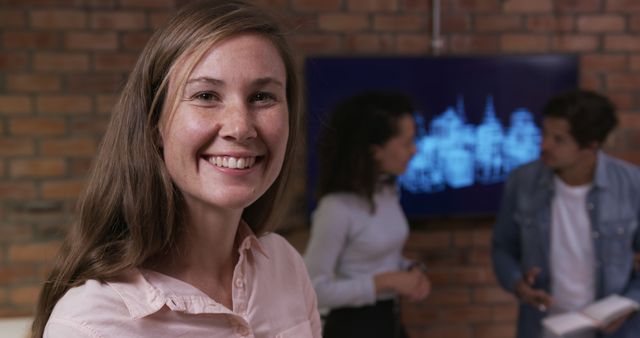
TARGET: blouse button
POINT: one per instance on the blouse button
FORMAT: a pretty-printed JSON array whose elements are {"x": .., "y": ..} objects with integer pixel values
[
  {"x": 239, "y": 283},
  {"x": 620, "y": 231},
  {"x": 596, "y": 234}
]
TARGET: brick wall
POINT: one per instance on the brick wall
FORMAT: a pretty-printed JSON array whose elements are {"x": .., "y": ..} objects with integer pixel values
[{"x": 62, "y": 63}]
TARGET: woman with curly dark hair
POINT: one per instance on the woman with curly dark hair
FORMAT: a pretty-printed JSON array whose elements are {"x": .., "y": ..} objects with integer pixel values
[{"x": 358, "y": 229}]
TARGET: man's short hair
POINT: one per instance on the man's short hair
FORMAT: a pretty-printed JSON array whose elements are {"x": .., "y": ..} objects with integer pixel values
[{"x": 591, "y": 116}]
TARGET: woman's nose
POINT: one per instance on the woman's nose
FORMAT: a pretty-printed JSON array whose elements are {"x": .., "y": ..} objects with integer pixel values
[{"x": 238, "y": 124}]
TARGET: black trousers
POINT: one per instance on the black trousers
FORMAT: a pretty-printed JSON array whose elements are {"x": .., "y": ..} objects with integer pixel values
[{"x": 381, "y": 320}]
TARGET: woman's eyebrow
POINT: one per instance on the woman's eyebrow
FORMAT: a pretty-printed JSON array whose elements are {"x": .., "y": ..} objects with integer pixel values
[{"x": 205, "y": 79}]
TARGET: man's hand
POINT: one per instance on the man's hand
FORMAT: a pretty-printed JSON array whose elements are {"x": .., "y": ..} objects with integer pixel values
[{"x": 537, "y": 298}]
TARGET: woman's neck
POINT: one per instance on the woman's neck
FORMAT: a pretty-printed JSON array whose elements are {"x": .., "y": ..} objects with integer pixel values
[{"x": 206, "y": 254}]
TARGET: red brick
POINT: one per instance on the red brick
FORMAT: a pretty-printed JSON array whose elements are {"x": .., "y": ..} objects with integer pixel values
[
  {"x": 550, "y": 23},
  {"x": 454, "y": 23},
  {"x": 490, "y": 295},
  {"x": 399, "y": 23},
  {"x": 33, "y": 40},
  {"x": 95, "y": 83},
  {"x": 449, "y": 296},
  {"x": 105, "y": 103},
  {"x": 634, "y": 23},
  {"x": 575, "y": 43},
  {"x": 15, "y": 190},
  {"x": 472, "y": 275},
  {"x": 462, "y": 238},
  {"x": 88, "y": 125},
  {"x": 157, "y": 19},
  {"x": 634, "y": 63},
  {"x": 69, "y": 147},
  {"x": 15, "y": 146},
  {"x": 25, "y": 295},
  {"x": 413, "y": 314},
  {"x": 420, "y": 240},
  {"x": 622, "y": 43},
  {"x": 495, "y": 331},
  {"x": 601, "y": 23},
  {"x": 624, "y": 6},
  {"x": 372, "y": 5},
  {"x": 623, "y": 81},
  {"x": 119, "y": 62},
  {"x": 466, "y": 314},
  {"x": 58, "y": 19},
  {"x": 474, "y": 6},
  {"x": 12, "y": 18},
  {"x": 147, "y": 3},
  {"x": 591, "y": 81},
  {"x": 624, "y": 101},
  {"x": 413, "y": 6},
  {"x": 316, "y": 5},
  {"x": 15, "y": 104},
  {"x": 632, "y": 156},
  {"x": 33, "y": 82},
  {"x": 524, "y": 43},
  {"x": 37, "y": 126},
  {"x": 304, "y": 22},
  {"x": 64, "y": 104},
  {"x": 135, "y": 41},
  {"x": 62, "y": 189},
  {"x": 575, "y": 6},
  {"x": 316, "y": 43},
  {"x": 118, "y": 20},
  {"x": 16, "y": 274},
  {"x": 343, "y": 22},
  {"x": 482, "y": 238},
  {"x": 91, "y": 41},
  {"x": 480, "y": 256},
  {"x": 13, "y": 232},
  {"x": 413, "y": 43},
  {"x": 527, "y": 6},
  {"x": 12, "y": 61},
  {"x": 367, "y": 43},
  {"x": 80, "y": 166},
  {"x": 473, "y": 43},
  {"x": 61, "y": 62},
  {"x": 505, "y": 313},
  {"x": 445, "y": 331},
  {"x": 498, "y": 23},
  {"x": 35, "y": 168},
  {"x": 602, "y": 62}
]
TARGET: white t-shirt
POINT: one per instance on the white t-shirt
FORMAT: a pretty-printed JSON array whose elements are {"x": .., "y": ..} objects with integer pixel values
[{"x": 572, "y": 254}]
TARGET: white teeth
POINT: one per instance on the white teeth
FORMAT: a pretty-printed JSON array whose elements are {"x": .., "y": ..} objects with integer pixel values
[{"x": 232, "y": 162}]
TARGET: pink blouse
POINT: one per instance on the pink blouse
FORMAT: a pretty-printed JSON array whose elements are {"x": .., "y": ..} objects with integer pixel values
[{"x": 272, "y": 297}]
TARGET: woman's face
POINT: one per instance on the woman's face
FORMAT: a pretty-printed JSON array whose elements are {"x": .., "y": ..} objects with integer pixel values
[
  {"x": 393, "y": 156},
  {"x": 225, "y": 143}
]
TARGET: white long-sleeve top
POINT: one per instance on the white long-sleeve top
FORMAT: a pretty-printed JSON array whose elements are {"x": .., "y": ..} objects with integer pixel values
[{"x": 349, "y": 245}]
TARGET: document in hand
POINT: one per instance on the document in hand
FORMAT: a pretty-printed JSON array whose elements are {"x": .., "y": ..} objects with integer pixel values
[{"x": 596, "y": 315}]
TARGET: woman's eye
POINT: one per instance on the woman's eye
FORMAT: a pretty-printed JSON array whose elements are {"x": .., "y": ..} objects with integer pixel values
[
  {"x": 204, "y": 96},
  {"x": 263, "y": 97}
]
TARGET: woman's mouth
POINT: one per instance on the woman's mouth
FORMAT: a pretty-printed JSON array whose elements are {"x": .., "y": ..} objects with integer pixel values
[{"x": 233, "y": 162}]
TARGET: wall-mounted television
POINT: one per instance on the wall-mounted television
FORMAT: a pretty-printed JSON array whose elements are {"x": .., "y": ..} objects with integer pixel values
[{"x": 478, "y": 117}]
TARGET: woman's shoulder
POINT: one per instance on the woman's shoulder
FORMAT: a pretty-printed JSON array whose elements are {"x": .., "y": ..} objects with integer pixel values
[
  {"x": 84, "y": 307},
  {"x": 342, "y": 201}
]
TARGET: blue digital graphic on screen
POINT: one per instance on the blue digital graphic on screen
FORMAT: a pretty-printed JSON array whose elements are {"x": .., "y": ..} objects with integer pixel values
[
  {"x": 477, "y": 118},
  {"x": 454, "y": 153}
]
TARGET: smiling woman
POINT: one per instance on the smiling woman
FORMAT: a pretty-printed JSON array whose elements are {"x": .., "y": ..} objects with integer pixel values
[{"x": 174, "y": 235}]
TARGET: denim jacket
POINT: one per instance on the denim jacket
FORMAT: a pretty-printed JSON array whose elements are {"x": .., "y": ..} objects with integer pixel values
[{"x": 521, "y": 236}]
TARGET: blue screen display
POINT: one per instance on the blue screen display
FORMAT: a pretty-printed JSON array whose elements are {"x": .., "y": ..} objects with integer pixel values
[{"x": 477, "y": 118}]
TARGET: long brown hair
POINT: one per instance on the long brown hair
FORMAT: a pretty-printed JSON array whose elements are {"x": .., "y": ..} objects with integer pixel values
[
  {"x": 356, "y": 124},
  {"x": 131, "y": 210}
]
